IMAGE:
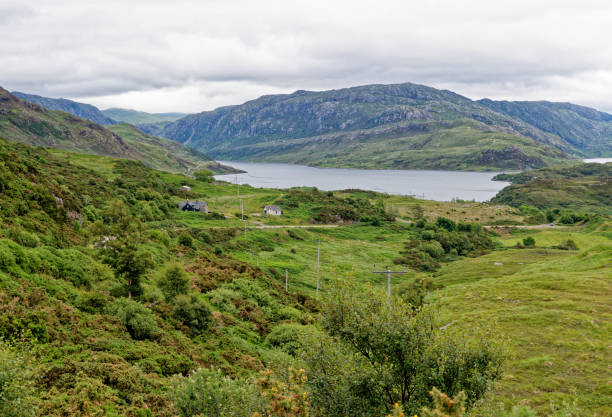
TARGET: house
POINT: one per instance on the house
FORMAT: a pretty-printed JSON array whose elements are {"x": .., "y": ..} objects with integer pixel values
[
  {"x": 273, "y": 210},
  {"x": 194, "y": 206},
  {"x": 185, "y": 188}
]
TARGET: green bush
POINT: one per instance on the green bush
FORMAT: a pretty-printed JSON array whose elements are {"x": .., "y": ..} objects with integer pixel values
[
  {"x": 137, "y": 319},
  {"x": 93, "y": 302},
  {"x": 185, "y": 239},
  {"x": 204, "y": 175},
  {"x": 569, "y": 244},
  {"x": 16, "y": 384},
  {"x": 24, "y": 238},
  {"x": 204, "y": 237},
  {"x": 210, "y": 393},
  {"x": 447, "y": 224},
  {"x": 173, "y": 281},
  {"x": 529, "y": 242},
  {"x": 288, "y": 337},
  {"x": 193, "y": 312}
]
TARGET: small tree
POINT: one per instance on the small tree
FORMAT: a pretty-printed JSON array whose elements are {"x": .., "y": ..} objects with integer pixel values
[
  {"x": 173, "y": 281},
  {"x": 204, "y": 175},
  {"x": 529, "y": 242},
  {"x": 128, "y": 262},
  {"x": 193, "y": 312},
  {"x": 375, "y": 356}
]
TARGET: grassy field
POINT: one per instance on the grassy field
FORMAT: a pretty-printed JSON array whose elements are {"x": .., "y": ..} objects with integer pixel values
[{"x": 553, "y": 308}]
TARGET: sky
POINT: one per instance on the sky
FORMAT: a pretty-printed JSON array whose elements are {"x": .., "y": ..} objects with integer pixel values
[{"x": 191, "y": 56}]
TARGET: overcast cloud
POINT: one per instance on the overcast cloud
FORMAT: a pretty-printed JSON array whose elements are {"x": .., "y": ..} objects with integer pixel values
[{"x": 197, "y": 55}]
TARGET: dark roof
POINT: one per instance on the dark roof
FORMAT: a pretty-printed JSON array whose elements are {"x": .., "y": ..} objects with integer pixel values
[
  {"x": 197, "y": 205},
  {"x": 272, "y": 208}
]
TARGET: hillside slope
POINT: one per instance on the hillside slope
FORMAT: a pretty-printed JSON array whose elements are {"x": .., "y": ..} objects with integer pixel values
[
  {"x": 165, "y": 154},
  {"x": 30, "y": 123},
  {"x": 584, "y": 128},
  {"x": 22, "y": 121},
  {"x": 261, "y": 127},
  {"x": 82, "y": 110},
  {"x": 580, "y": 187},
  {"x": 136, "y": 117}
]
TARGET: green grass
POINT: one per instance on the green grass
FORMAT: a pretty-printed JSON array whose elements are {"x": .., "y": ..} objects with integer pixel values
[{"x": 554, "y": 310}]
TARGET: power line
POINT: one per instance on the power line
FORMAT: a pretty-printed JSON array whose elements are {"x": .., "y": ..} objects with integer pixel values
[{"x": 389, "y": 272}]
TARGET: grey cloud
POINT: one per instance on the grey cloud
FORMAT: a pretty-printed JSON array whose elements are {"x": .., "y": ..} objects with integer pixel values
[{"x": 234, "y": 50}]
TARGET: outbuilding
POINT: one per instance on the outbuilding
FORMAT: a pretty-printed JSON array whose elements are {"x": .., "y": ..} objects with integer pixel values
[
  {"x": 273, "y": 210},
  {"x": 194, "y": 206}
]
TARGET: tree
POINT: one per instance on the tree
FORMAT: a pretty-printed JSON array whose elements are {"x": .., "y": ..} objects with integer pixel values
[
  {"x": 529, "y": 242},
  {"x": 204, "y": 175},
  {"x": 128, "y": 262},
  {"x": 193, "y": 312},
  {"x": 374, "y": 356},
  {"x": 173, "y": 281}
]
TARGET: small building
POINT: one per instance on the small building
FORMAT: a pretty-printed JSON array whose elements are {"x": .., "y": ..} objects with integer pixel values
[
  {"x": 194, "y": 206},
  {"x": 273, "y": 210},
  {"x": 185, "y": 188}
]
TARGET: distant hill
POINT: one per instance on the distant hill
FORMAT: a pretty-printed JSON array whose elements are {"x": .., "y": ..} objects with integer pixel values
[
  {"x": 30, "y": 123},
  {"x": 82, "y": 110},
  {"x": 139, "y": 117},
  {"x": 586, "y": 129},
  {"x": 165, "y": 154},
  {"x": 372, "y": 126},
  {"x": 582, "y": 187}
]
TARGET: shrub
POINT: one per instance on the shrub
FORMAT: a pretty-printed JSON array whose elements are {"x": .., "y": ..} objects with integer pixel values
[
  {"x": 529, "y": 242},
  {"x": 173, "y": 281},
  {"x": 193, "y": 312},
  {"x": 185, "y": 239},
  {"x": 93, "y": 302},
  {"x": 137, "y": 319},
  {"x": 16, "y": 384},
  {"x": 210, "y": 393},
  {"x": 204, "y": 175},
  {"x": 204, "y": 237},
  {"x": 569, "y": 244},
  {"x": 288, "y": 337},
  {"x": 447, "y": 224},
  {"x": 24, "y": 238},
  {"x": 372, "y": 354}
]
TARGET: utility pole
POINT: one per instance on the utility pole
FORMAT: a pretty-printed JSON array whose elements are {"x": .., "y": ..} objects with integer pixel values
[
  {"x": 389, "y": 272},
  {"x": 286, "y": 280},
  {"x": 318, "y": 259}
]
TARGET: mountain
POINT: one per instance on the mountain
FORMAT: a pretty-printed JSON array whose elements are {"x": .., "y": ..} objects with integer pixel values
[
  {"x": 165, "y": 154},
  {"x": 30, "y": 123},
  {"x": 586, "y": 129},
  {"x": 139, "y": 117},
  {"x": 82, "y": 110},
  {"x": 372, "y": 126}
]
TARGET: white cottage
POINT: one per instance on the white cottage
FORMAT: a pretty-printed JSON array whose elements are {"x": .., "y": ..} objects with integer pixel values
[{"x": 273, "y": 210}]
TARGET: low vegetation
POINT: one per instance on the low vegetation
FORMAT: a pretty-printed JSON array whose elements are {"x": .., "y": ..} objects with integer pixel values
[{"x": 114, "y": 302}]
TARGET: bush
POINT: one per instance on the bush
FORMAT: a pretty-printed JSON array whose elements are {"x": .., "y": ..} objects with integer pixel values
[
  {"x": 137, "y": 319},
  {"x": 91, "y": 302},
  {"x": 204, "y": 175},
  {"x": 529, "y": 242},
  {"x": 373, "y": 354},
  {"x": 173, "y": 281},
  {"x": 569, "y": 244},
  {"x": 204, "y": 237},
  {"x": 185, "y": 239},
  {"x": 447, "y": 224},
  {"x": 210, "y": 393},
  {"x": 24, "y": 238},
  {"x": 16, "y": 384},
  {"x": 288, "y": 337},
  {"x": 193, "y": 312}
]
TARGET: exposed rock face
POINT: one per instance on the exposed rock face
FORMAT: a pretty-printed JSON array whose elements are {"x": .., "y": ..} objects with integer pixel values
[{"x": 586, "y": 129}]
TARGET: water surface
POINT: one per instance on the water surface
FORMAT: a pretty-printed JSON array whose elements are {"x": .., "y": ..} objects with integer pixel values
[
  {"x": 598, "y": 160},
  {"x": 427, "y": 184}
]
